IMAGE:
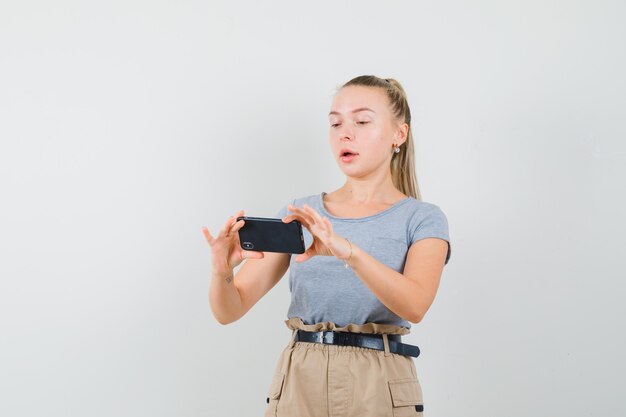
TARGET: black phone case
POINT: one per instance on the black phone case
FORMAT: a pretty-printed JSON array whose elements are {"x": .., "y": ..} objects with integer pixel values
[{"x": 264, "y": 234}]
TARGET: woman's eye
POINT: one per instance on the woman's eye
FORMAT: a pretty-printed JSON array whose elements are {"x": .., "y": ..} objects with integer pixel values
[
  {"x": 363, "y": 122},
  {"x": 334, "y": 125}
]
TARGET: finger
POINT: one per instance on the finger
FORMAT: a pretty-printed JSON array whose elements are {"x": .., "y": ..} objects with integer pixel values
[
  {"x": 226, "y": 226},
  {"x": 327, "y": 226},
  {"x": 249, "y": 254},
  {"x": 313, "y": 213},
  {"x": 238, "y": 225},
  {"x": 207, "y": 235},
  {"x": 327, "y": 223},
  {"x": 308, "y": 254},
  {"x": 296, "y": 216},
  {"x": 291, "y": 217},
  {"x": 304, "y": 215},
  {"x": 232, "y": 226},
  {"x": 301, "y": 258}
]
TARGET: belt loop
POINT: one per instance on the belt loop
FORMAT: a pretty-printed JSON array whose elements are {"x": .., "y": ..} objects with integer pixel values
[
  {"x": 386, "y": 343},
  {"x": 292, "y": 342}
]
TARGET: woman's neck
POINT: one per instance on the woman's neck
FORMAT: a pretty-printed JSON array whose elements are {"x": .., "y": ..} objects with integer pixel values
[{"x": 367, "y": 192}]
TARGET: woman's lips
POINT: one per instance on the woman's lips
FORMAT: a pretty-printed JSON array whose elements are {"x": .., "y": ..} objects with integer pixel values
[
  {"x": 347, "y": 154},
  {"x": 348, "y": 157}
]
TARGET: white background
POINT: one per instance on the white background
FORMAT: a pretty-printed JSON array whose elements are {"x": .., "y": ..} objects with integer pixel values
[{"x": 126, "y": 126}]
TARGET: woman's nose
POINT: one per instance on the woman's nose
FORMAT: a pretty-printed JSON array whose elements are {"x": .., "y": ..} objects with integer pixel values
[{"x": 345, "y": 134}]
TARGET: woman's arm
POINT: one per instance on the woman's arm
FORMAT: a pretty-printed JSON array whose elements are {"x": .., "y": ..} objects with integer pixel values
[
  {"x": 232, "y": 296},
  {"x": 410, "y": 294}
]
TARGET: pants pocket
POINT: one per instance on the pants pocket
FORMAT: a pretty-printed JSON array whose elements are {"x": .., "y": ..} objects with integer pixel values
[
  {"x": 406, "y": 397},
  {"x": 273, "y": 395}
]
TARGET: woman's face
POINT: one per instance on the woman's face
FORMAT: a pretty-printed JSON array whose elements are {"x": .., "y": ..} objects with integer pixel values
[{"x": 361, "y": 124}]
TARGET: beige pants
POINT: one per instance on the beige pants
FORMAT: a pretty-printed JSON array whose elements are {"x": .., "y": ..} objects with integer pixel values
[{"x": 319, "y": 380}]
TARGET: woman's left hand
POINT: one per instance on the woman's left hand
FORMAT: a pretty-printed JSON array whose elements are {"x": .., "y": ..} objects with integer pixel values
[{"x": 325, "y": 241}]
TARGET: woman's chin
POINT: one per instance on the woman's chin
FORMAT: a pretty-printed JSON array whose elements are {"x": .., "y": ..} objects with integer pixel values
[{"x": 351, "y": 170}]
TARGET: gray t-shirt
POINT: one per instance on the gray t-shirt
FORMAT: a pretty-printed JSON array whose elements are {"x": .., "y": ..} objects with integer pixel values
[{"x": 322, "y": 289}]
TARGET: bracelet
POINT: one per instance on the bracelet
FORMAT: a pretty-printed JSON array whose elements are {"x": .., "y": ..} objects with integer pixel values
[{"x": 346, "y": 261}]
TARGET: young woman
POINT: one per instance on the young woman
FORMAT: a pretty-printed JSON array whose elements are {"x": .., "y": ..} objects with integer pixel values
[{"x": 374, "y": 259}]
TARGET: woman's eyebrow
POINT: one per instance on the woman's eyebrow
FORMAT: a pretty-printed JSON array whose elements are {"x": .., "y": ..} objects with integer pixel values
[{"x": 354, "y": 111}]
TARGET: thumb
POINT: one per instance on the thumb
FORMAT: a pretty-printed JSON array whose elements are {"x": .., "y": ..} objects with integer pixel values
[
  {"x": 301, "y": 258},
  {"x": 250, "y": 254},
  {"x": 304, "y": 256}
]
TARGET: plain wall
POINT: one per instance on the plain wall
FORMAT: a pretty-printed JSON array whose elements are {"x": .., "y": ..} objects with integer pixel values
[{"x": 126, "y": 126}]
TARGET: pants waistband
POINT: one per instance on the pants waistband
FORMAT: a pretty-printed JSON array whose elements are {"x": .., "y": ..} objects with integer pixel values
[{"x": 387, "y": 342}]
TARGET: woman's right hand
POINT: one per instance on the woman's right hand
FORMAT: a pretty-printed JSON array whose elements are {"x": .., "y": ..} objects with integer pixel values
[{"x": 225, "y": 247}]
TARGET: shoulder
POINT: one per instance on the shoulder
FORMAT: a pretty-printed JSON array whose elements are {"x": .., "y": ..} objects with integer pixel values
[
  {"x": 428, "y": 220},
  {"x": 299, "y": 201},
  {"x": 310, "y": 200},
  {"x": 418, "y": 209},
  {"x": 425, "y": 216}
]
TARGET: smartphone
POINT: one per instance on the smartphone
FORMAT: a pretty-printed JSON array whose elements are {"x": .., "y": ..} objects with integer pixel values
[{"x": 263, "y": 234}]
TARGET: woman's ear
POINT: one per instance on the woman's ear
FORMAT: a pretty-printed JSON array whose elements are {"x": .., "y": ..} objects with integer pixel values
[{"x": 401, "y": 134}]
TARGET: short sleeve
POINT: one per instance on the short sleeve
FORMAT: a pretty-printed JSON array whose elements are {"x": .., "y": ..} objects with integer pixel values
[{"x": 431, "y": 223}]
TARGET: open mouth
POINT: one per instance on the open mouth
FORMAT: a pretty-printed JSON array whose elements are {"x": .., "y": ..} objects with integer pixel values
[
  {"x": 347, "y": 155},
  {"x": 347, "y": 152}
]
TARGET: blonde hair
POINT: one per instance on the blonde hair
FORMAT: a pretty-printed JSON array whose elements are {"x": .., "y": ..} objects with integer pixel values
[{"x": 402, "y": 163}]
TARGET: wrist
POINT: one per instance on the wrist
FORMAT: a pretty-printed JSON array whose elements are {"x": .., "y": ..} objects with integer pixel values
[
  {"x": 349, "y": 257},
  {"x": 222, "y": 273}
]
